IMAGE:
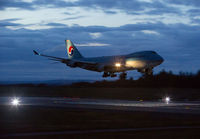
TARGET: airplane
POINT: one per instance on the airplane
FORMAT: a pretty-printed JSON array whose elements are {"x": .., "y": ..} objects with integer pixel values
[{"x": 143, "y": 62}]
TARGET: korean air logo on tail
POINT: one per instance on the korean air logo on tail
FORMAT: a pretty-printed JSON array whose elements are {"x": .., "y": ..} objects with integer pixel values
[{"x": 71, "y": 50}]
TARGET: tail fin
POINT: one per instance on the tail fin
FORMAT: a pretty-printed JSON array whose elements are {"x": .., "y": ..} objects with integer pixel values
[{"x": 72, "y": 51}]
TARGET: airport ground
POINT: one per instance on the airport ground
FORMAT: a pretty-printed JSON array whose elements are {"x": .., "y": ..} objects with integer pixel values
[
  {"x": 75, "y": 122},
  {"x": 89, "y": 123}
]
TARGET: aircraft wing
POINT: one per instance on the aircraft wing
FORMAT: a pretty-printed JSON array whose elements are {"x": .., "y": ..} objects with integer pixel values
[
  {"x": 69, "y": 62},
  {"x": 63, "y": 60}
]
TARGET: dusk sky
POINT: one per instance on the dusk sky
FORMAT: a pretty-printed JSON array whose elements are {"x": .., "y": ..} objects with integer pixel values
[{"x": 97, "y": 28}]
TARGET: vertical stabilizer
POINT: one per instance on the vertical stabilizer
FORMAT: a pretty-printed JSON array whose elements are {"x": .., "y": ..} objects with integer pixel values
[{"x": 72, "y": 51}]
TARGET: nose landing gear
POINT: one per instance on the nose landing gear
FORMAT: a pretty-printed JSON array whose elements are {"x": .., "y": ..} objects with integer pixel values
[
  {"x": 123, "y": 76},
  {"x": 107, "y": 74},
  {"x": 146, "y": 72},
  {"x": 113, "y": 75}
]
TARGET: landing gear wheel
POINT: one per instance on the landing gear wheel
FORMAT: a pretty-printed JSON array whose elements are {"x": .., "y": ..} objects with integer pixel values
[
  {"x": 148, "y": 72},
  {"x": 105, "y": 74},
  {"x": 123, "y": 76},
  {"x": 113, "y": 75}
]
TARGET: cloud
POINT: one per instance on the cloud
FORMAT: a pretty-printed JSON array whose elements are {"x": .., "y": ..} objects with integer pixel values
[
  {"x": 56, "y": 24},
  {"x": 93, "y": 44},
  {"x": 170, "y": 27},
  {"x": 38, "y": 14},
  {"x": 76, "y": 17},
  {"x": 8, "y": 22},
  {"x": 150, "y": 32},
  {"x": 15, "y": 4},
  {"x": 28, "y": 1},
  {"x": 148, "y": 1},
  {"x": 95, "y": 35},
  {"x": 195, "y": 3}
]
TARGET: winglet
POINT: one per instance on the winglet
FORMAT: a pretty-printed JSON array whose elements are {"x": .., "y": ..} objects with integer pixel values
[{"x": 36, "y": 53}]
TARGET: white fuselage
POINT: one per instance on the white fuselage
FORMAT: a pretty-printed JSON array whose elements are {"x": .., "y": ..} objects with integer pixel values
[{"x": 138, "y": 60}]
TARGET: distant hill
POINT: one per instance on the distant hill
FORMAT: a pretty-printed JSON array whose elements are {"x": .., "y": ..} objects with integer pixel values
[
  {"x": 47, "y": 82},
  {"x": 162, "y": 79}
]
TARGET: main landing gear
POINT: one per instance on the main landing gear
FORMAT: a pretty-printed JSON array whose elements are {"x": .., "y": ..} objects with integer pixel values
[
  {"x": 123, "y": 75},
  {"x": 148, "y": 72},
  {"x": 107, "y": 74}
]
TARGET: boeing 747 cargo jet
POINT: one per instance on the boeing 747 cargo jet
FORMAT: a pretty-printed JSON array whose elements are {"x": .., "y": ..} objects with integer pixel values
[{"x": 143, "y": 61}]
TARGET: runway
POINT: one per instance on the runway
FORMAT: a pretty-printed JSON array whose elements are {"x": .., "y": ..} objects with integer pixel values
[
  {"x": 190, "y": 107},
  {"x": 33, "y": 134}
]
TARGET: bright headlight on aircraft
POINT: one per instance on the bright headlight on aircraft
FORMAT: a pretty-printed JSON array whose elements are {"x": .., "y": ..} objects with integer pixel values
[
  {"x": 15, "y": 101},
  {"x": 118, "y": 65}
]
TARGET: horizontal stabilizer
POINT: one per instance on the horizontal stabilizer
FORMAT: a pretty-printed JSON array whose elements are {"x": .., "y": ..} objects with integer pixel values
[{"x": 36, "y": 53}]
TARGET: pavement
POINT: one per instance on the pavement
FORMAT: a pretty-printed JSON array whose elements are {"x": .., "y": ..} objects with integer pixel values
[{"x": 190, "y": 107}]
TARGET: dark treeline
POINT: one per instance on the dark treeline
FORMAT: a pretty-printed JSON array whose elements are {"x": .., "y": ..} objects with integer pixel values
[{"x": 162, "y": 79}]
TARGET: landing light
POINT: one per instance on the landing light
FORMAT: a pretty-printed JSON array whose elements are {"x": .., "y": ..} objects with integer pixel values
[
  {"x": 118, "y": 65},
  {"x": 15, "y": 101}
]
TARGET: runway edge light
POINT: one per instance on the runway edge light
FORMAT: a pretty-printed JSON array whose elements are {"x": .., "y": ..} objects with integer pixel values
[
  {"x": 167, "y": 99},
  {"x": 15, "y": 101}
]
